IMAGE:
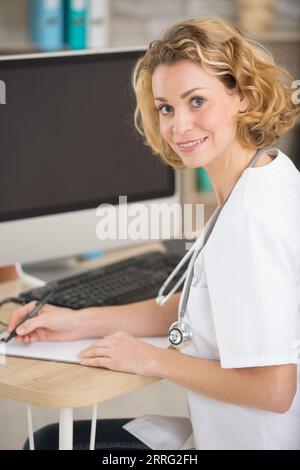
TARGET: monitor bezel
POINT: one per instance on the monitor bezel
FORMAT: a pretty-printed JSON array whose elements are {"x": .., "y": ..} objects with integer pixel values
[{"x": 73, "y": 57}]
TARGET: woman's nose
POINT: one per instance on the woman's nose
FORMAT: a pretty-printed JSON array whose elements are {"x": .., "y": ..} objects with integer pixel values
[{"x": 182, "y": 122}]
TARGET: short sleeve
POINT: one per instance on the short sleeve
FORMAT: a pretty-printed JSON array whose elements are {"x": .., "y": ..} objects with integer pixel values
[{"x": 251, "y": 279}]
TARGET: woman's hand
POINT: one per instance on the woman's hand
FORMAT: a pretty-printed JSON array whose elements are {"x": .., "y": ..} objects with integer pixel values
[
  {"x": 121, "y": 352},
  {"x": 51, "y": 324}
]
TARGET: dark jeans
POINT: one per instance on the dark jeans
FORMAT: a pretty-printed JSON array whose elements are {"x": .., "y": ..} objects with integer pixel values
[{"x": 109, "y": 435}]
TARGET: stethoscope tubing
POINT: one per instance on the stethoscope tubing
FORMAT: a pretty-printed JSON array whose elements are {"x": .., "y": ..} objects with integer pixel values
[{"x": 193, "y": 253}]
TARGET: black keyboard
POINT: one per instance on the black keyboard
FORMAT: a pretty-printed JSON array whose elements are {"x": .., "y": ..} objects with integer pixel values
[{"x": 131, "y": 280}]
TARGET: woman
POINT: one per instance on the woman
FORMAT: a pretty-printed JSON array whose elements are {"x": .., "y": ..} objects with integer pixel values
[{"x": 208, "y": 97}]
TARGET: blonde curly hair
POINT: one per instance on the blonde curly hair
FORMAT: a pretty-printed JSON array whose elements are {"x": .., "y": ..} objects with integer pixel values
[{"x": 239, "y": 62}]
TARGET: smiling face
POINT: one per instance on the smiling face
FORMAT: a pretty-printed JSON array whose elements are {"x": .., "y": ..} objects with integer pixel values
[{"x": 196, "y": 113}]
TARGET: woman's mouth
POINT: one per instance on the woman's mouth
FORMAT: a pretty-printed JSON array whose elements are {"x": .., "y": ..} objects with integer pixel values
[{"x": 190, "y": 145}]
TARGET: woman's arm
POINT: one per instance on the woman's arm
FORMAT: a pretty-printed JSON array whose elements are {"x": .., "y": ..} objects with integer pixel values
[
  {"x": 145, "y": 318},
  {"x": 269, "y": 387}
]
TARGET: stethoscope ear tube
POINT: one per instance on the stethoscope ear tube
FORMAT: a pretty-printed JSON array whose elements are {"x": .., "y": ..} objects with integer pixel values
[{"x": 161, "y": 299}]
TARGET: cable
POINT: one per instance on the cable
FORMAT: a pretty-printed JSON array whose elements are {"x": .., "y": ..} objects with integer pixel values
[
  {"x": 15, "y": 300},
  {"x": 5, "y": 327},
  {"x": 12, "y": 300}
]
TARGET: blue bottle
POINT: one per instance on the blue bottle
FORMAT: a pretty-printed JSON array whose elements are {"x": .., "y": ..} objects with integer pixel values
[{"x": 47, "y": 24}]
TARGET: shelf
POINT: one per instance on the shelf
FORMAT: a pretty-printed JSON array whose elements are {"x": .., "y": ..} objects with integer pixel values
[
  {"x": 11, "y": 49},
  {"x": 32, "y": 49},
  {"x": 276, "y": 36}
]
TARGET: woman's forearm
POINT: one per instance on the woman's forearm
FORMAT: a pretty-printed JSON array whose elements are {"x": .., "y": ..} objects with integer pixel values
[
  {"x": 271, "y": 387},
  {"x": 145, "y": 318}
]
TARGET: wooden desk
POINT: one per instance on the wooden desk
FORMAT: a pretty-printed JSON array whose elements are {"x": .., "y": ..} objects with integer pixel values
[{"x": 59, "y": 385}]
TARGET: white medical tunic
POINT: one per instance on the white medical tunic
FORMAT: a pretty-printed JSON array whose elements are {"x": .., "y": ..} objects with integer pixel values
[{"x": 244, "y": 305}]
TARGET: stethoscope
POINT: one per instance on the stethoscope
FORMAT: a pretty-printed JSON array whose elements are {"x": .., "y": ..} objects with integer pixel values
[{"x": 180, "y": 333}]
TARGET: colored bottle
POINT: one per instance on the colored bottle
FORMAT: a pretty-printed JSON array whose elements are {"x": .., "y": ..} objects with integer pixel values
[
  {"x": 47, "y": 24},
  {"x": 203, "y": 180},
  {"x": 76, "y": 23}
]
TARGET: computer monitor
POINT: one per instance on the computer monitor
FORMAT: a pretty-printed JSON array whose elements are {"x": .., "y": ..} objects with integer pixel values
[{"x": 68, "y": 145}]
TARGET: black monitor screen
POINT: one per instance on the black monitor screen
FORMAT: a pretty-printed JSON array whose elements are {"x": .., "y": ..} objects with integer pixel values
[{"x": 67, "y": 136}]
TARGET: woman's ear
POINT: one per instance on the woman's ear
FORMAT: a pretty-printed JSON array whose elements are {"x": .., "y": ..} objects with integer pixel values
[{"x": 243, "y": 103}]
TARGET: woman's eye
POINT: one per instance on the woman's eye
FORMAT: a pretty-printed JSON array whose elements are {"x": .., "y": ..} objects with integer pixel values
[
  {"x": 197, "y": 101},
  {"x": 165, "y": 109}
]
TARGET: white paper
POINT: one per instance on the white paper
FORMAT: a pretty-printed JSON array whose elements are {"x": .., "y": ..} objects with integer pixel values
[{"x": 61, "y": 351}]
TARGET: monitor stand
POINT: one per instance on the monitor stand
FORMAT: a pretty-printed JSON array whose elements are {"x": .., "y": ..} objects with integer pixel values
[
  {"x": 15, "y": 272},
  {"x": 41, "y": 272}
]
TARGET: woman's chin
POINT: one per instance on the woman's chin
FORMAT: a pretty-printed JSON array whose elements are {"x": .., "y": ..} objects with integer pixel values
[{"x": 192, "y": 162}]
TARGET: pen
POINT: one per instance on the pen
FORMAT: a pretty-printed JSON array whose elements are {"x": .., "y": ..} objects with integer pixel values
[{"x": 34, "y": 313}]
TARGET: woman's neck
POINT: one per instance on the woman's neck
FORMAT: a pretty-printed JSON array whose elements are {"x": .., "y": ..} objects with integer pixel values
[{"x": 224, "y": 171}]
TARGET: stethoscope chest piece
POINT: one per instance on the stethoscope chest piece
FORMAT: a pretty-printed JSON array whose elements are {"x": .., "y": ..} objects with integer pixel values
[{"x": 180, "y": 334}]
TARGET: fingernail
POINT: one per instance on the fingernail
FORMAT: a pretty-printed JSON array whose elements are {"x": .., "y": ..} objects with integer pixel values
[{"x": 20, "y": 330}]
